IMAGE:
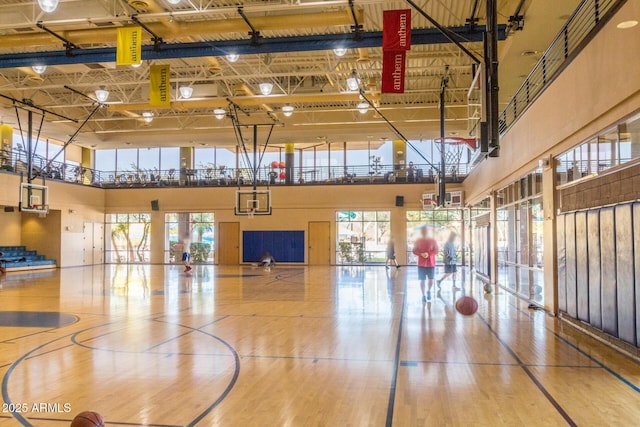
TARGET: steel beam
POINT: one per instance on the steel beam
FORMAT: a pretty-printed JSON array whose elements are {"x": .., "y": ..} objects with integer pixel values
[{"x": 370, "y": 39}]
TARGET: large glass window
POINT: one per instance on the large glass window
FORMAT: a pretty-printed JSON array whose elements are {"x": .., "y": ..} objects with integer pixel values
[
  {"x": 149, "y": 159},
  {"x": 198, "y": 228},
  {"x": 441, "y": 224},
  {"x": 612, "y": 147},
  {"x": 520, "y": 243},
  {"x": 127, "y": 160},
  {"x": 105, "y": 160},
  {"x": 169, "y": 158},
  {"x": 362, "y": 236},
  {"x": 128, "y": 238}
]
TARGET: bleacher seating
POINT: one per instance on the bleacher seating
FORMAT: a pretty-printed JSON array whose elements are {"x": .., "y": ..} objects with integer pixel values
[{"x": 18, "y": 258}]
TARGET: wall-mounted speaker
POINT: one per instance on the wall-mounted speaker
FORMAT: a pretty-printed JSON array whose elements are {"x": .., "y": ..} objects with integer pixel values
[
  {"x": 9, "y": 209},
  {"x": 155, "y": 205},
  {"x": 399, "y": 201}
]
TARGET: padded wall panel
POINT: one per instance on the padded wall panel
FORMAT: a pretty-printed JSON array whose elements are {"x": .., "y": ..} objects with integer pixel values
[
  {"x": 582, "y": 267},
  {"x": 636, "y": 245},
  {"x": 608, "y": 270},
  {"x": 570, "y": 248},
  {"x": 593, "y": 244},
  {"x": 625, "y": 274},
  {"x": 562, "y": 264},
  {"x": 284, "y": 246}
]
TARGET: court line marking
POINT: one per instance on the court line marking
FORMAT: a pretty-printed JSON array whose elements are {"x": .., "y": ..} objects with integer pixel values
[
  {"x": 182, "y": 335},
  {"x": 231, "y": 384},
  {"x": 584, "y": 353},
  {"x": 7, "y": 375},
  {"x": 119, "y": 423},
  {"x": 530, "y": 374},
  {"x": 8, "y": 340},
  {"x": 313, "y": 358},
  {"x": 396, "y": 362},
  {"x": 532, "y": 365}
]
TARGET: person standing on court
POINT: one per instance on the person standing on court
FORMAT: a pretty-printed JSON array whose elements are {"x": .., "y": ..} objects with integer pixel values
[
  {"x": 391, "y": 254},
  {"x": 426, "y": 249},
  {"x": 186, "y": 253},
  {"x": 450, "y": 253}
]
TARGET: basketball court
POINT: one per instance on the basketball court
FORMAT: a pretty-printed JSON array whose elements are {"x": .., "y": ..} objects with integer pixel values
[
  {"x": 319, "y": 213},
  {"x": 146, "y": 345}
]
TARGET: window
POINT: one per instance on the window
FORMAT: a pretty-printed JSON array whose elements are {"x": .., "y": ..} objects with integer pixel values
[
  {"x": 127, "y": 160},
  {"x": 127, "y": 238},
  {"x": 105, "y": 160},
  {"x": 441, "y": 223},
  {"x": 198, "y": 228},
  {"x": 149, "y": 159},
  {"x": 169, "y": 158},
  {"x": 362, "y": 236},
  {"x": 520, "y": 245},
  {"x": 612, "y": 147}
]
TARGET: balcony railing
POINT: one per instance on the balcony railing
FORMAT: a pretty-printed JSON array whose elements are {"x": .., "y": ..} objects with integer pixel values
[
  {"x": 580, "y": 28},
  {"x": 223, "y": 176}
]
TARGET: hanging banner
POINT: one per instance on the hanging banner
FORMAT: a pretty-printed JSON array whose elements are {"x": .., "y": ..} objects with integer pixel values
[
  {"x": 129, "y": 46},
  {"x": 159, "y": 80},
  {"x": 393, "y": 70},
  {"x": 396, "y": 30}
]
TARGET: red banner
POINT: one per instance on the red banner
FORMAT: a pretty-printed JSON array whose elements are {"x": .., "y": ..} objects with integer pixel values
[
  {"x": 393, "y": 69},
  {"x": 396, "y": 30}
]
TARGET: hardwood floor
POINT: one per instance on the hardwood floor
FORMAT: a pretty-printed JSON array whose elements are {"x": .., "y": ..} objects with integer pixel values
[{"x": 319, "y": 346}]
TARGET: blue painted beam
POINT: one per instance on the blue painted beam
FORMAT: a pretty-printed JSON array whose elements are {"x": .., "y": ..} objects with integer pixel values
[{"x": 424, "y": 36}]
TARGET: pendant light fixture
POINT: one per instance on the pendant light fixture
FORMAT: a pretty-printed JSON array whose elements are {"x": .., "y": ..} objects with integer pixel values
[
  {"x": 186, "y": 92},
  {"x": 102, "y": 94},
  {"x": 48, "y": 6},
  {"x": 266, "y": 88},
  {"x": 287, "y": 110}
]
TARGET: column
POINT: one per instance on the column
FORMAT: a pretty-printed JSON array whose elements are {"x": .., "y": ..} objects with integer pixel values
[
  {"x": 157, "y": 237},
  {"x": 186, "y": 163},
  {"x": 88, "y": 162},
  {"x": 6, "y": 146},
  {"x": 493, "y": 237},
  {"x": 289, "y": 161},
  {"x": 550, "y": 262},
  {"x": 400, "y": 159}
]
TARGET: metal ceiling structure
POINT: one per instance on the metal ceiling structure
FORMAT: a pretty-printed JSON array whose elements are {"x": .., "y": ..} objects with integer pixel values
[{"x": 295, "y": 54}]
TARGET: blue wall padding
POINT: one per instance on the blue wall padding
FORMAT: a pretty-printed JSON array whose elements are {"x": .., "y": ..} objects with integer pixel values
[{"x": 285, "y": 246}]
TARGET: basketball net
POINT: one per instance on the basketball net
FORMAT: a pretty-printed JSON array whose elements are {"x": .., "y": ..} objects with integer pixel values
[{"x": 251, "y": 213}]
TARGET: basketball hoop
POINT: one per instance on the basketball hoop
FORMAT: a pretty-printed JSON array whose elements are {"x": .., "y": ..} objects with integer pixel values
[{"x": 251, "y": 212}]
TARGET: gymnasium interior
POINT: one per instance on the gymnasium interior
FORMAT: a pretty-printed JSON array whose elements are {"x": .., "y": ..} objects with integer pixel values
[{"x": 154, "y": 152}]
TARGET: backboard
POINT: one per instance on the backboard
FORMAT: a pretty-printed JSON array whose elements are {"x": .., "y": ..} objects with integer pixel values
[
  {"x": 34, "y": 198},
  {"x": 253, "y": 202}
]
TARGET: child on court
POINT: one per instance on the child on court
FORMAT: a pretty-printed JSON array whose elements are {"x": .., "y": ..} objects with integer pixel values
[
  {"x": 267, "y": 261},
  {"x": 426, "y": 249},
  {"x": 186, "y": 254},
  {"x": 391, "y": 255},
  {"x": 450, "y": 253}
]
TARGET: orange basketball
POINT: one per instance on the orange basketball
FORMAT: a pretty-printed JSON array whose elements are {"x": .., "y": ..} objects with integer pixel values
[
  {"x": 282, "y": 165},
  {"x": 275, "y": 164},
  {"x": 467, "y": 306},
  {"x": 88, "y": 419}
]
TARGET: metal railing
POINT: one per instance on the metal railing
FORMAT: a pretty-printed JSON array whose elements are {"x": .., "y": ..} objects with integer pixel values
[
  {"x": 586, "y": 19},
  {"x": 16, "y": 162}
]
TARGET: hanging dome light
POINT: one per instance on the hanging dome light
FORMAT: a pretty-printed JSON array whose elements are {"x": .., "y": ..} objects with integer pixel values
[
  {"x": 147, "y": 116},
  {"x": 186, "y": 91},
  {"x": 266, "y": 88},
  {"x": 48, "y": 6},
  {"x": 174, "y": 2},
  {"x": 138, "y": 65},
  {"x": 363, "y": 107},
  {"x": 102, "y": 95},
  {"x": 39, "y": 69},
  {"x": 340, "y": 52},
  {"x": 287, "y": 110},
  {"x": 353, "y": 83},
  {"x": 232, "y": 57},
  {"x": 220, "y": 113}
]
